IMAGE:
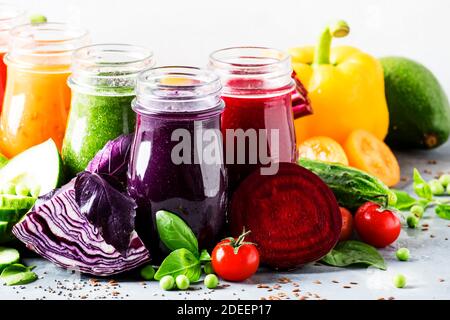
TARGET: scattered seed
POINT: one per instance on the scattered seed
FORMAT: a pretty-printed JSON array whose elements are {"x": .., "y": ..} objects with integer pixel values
[
  {"x": 432, "y": 236},
  {"x": 334, "y": 281},
  {"x": 432, "y": 162},
  {"x": 441, "y": 280},
  {"x": 381, "y": 298},
  {"x": 262, "y": 286},
  {"x": 317, "y": 282},
  {"x": 284, "y": 280},
  {"x": 391, "y": 298},
  {"x": 425, "y": 225},
  {"x": 354, "y": 283},
  {"x": 347, "y": 287},
  {"x": 296, "y": 290}
]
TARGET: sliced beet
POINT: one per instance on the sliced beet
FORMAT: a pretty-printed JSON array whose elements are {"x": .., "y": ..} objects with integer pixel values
[{"x": 293, "y": 216}]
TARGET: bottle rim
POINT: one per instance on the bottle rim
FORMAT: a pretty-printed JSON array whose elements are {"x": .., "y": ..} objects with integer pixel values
[
  {"x": 252, "y": 70},
  {"x": 9, "y": 14},
  {"x": 38, "y": 44},
  {"x": 178, "y": 89},
  {"x": 109, "y": 68}
]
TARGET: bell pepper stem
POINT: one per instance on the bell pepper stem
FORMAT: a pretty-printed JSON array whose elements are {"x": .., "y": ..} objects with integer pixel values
[{"x": 337, "y": 29}]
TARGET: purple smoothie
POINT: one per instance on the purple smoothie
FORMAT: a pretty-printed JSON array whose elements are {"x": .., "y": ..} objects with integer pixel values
[{"x": 195, "y": 191}]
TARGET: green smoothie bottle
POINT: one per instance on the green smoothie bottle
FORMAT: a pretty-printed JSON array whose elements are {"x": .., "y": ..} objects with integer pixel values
[{"x": 102, "y": 82}]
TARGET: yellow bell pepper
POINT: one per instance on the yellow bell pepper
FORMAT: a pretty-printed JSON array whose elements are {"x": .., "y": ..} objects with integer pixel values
[{"x": 345, "y": 86}]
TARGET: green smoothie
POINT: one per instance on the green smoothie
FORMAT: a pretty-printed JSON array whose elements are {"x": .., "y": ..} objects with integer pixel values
[
  {"x": 103, "y": 81},
  {"x": 93, "y": 121}
]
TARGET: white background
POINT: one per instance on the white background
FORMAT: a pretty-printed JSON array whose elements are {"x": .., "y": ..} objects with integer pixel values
[{"x": 186, "y": 31}]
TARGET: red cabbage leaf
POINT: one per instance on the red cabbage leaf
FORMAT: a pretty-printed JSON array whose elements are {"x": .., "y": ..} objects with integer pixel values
[{"x": 111, "y": 211}]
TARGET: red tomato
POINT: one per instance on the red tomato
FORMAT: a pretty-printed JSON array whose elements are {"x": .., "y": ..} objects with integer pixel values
[
  {"x": 376, "y": 226},
  {"x": 234, "y": 259},
  {"x": 347, "y": 224}
]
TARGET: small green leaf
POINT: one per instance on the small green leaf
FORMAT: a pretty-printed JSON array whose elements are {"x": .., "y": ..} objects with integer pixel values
[
  {"x": 175, "y": 233},
  {"x": 404, "y": 200},
  {"x": 204, "y": 256},
  {"x": 443, "y": 211},
  {"x": 180, "y": 261},
  {"x": 353, "y": 252},
  {"x": 18, "y": 274},
  {"x": 421, "y": 187}
]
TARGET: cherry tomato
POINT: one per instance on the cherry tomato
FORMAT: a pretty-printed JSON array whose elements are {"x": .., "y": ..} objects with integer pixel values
[
  {"x": 376, "y": 226},
  {"x": 235, "y": 259},
  {"x": 347, "y": 224}
]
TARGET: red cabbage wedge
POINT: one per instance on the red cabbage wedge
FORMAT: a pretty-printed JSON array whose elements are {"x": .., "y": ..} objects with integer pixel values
[
  {"x": 58, "y": 231},
  {"x": 85, "y": 235}
]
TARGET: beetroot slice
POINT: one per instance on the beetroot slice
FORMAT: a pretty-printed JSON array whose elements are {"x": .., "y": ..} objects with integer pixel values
[{"x": 293, "y": 216}]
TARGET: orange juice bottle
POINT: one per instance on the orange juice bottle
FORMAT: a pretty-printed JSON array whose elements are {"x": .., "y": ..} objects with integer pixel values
[
  {"x": 10, "y": 16},
  {"x": 37, "y": 97}
]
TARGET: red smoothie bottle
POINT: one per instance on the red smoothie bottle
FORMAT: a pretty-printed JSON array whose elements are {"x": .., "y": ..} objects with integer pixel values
[
  {"x": 10, "y": 16},
  {"x": 258, "y": 119}
]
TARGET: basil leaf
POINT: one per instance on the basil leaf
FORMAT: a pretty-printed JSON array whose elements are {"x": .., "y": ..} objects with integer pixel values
[
  {"x": 352, "y": 252},
  {"x": 421, "y": 187},
  {"x": 175, "y": 233},
  {"x": 204, "y": 256},
  {"x": 180, "y": 261},
  {"x": 443, "y": 211},
  {"x": 18, "y": 274},
  {"x": 404, "y": 200}
]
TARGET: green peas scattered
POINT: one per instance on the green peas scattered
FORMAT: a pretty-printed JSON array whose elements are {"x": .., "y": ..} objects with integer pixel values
[
  {"x": 167, "y": 283},
  {"x": 412, "y": 221},
  {"x": 417, "y": 211},
  {"x": 399, "y": 281},
  {"x": 182, "y": 282},
  {"x": 147, "y": 272},
  {"x": 436, "y": 187},
  {"x": 208, "y": 268},
  {"x": 22, "y": 189},
  {"x": 445, "y": 180},
  {"x": 402, "y": 254},
  {"x": 211, "y": 281}
]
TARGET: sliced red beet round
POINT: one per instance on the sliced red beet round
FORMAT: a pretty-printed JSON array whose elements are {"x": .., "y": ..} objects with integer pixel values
[{"x": 293, "y": 216}]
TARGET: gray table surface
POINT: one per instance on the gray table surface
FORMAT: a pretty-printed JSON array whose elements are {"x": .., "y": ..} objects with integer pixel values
[{"x": 427, "y": 272}]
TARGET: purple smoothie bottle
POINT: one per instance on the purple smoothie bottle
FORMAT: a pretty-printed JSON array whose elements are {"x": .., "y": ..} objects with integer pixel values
[{"x": 176, "y": 159}]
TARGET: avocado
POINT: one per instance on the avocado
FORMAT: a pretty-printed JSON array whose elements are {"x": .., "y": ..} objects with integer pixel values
[{"x": 419, "y": 112}]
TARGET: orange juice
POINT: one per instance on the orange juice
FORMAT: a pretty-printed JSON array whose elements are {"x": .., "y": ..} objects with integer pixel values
[
  {"x": 35, "y": 108},
  {"x": 37, "y": 97}
]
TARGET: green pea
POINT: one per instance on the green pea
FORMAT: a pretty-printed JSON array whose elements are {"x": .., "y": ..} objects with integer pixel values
[
  {"x": 211, "y": 281},
  {"x": 208, "y": 268},
  {"x": 38, "y": 18},
  {"x": 399, "y": 281},
  {"x": 445, "y": 180},
  {"x": 402, "y": 254},
  {"x": 8, "y": 188},
  {"x": 167, "y": 283},
  {"x": 182, "y": 282},
  {"x": 417, "y": 211},
  {"x": 22, "y": 190},
  {"x": 412, "y": 221},
  {"x": 436, "y": 187},
  {"x": 147, "y": 272}
]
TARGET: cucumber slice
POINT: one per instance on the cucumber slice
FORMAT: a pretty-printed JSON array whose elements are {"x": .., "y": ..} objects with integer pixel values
[
  {"x": 11, "y": 216},
  {"x": 37, "y": 168},
  {"x": 8, "y": 256},
  {"x": 15, "y": 202}
]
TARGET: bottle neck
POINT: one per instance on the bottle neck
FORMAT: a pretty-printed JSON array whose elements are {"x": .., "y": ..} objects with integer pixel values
[
  {"x": 45, "y": 47},
  {"x": 109, "y": 69},
  {"x": 178, "y": 91},
  {"x": 253, "y": 71}
]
